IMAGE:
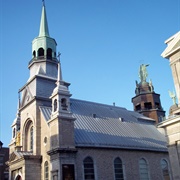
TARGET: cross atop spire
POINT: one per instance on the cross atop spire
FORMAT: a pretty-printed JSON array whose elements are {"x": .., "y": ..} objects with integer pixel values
[{"x": 43, "y": 31}]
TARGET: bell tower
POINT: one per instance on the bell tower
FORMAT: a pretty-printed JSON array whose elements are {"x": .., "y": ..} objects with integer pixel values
[
  {"x": 146, "y": 101},
  {"x": 61, "y": 115},
  {"x": 43, "y": 51}
]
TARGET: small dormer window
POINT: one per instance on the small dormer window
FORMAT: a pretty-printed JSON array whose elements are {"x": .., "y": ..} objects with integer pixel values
[
  {"x": 55, "y": 105},
  {"x": 64, "y": 104}
]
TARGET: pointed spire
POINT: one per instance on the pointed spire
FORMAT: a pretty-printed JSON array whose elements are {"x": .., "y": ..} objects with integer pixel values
[
  {"x": 43, "y": 31},
  {"x": 18, "y": 106},
  {"x": 59, "y": 78},
  {"x": 17, "y": 119}
]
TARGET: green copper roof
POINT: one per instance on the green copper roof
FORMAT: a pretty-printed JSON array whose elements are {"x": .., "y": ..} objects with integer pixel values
[{"x": 43, "y": 31}]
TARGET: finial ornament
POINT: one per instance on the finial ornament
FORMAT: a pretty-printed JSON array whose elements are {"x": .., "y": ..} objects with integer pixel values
[{"x": 143, "y": 72}]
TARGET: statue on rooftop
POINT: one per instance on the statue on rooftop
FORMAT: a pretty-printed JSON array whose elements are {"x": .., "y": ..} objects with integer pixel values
[
  {"x": 18, "y": 138},
  {"x": 143, "y": 72},
  {"x": 151, "y": 86},
  {"x": 173, "y": 97},
  {"x": 137, "y": 88}
]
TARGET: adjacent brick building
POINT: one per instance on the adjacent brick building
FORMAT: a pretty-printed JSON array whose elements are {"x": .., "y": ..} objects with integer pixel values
[{"x": 4, "y": 156}]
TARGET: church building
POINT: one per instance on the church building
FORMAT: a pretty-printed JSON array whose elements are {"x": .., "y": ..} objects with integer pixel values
[{"x": 56, "y": 137}]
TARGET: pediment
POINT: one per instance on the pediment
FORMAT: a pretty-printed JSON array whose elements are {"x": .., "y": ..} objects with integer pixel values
[
  {"x": 14, "y": 156},
  {"x": 40, "y": 71},
  {"x": 173, "y": 44},
  {"x": 26, "y": 96}
]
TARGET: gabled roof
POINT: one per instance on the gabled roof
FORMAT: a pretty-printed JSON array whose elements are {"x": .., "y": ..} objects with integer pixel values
[
  {"x": 17, "y": 155},
  {"x": 173, "y": 45},
  {"x": 105, "y": 126}
]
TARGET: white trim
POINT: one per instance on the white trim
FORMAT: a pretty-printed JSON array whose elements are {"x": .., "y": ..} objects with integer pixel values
[
  {"x": 172, "y": 42},
  {"x": 171, "y": 120}
]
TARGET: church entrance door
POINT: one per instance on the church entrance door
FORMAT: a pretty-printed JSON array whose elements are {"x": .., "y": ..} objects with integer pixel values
[{"x": 68, "y": 172}]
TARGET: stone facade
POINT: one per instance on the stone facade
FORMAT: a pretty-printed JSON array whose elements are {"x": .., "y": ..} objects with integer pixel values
[
  {"x": 104, "y": 163},
  {"x": 172, "y": 123}
]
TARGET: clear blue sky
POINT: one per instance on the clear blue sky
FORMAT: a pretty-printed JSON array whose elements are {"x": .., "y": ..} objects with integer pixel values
[{"x": 102, "y": 42}]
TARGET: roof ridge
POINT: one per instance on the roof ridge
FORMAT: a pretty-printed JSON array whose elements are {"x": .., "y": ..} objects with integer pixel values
[{"x": 102, "y": 104}]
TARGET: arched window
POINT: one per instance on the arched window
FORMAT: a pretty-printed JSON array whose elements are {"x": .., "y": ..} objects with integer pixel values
[
  {"x": 55, "y": 105},
  {"x": 14, "y": 132},
  {"x": 31, "y": 138},
  {"x": 64, "y": 104},
  {"x": 46, "y": 171},
  {"x": 88, "y": 169},
  {"x": 28, "y": 139},
  {"x": 49, "y": 53},
  {"x": 165, "y": 169},
  {"x": 143, "y": 169},
  {"x": 40, "y": 52},
  {"x": 118, "y": 169},
  {"x": 34, "y": 54}
]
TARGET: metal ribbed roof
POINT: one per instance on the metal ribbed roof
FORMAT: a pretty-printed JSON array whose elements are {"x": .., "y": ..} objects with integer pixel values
[{"x": 99, "y": 125}]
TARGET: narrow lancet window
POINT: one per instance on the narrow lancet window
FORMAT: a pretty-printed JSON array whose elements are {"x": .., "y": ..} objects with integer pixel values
[
  {"x": 31, "y": 138},
  {"x": 88, "y": 169},
  {"x": 64, "y": 104},
  {"x": 55, "y": 105},
  {"x": 46, "y": 171},
  {"x": 143, "y": 169},
  {"x": 118, "y": 169},
  {"x": 165, "y": 169}
]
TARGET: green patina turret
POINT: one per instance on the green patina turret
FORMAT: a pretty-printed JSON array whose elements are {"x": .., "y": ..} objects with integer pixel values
[{"x": 43, "y": 50}]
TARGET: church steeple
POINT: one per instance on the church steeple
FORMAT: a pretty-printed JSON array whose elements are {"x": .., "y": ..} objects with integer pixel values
[
  {"x": 16, "y": 123},
  {"x": 44, "y": 61},
  {"x": 60, "y": 96},
  {"x": 43, "y": 31}
]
